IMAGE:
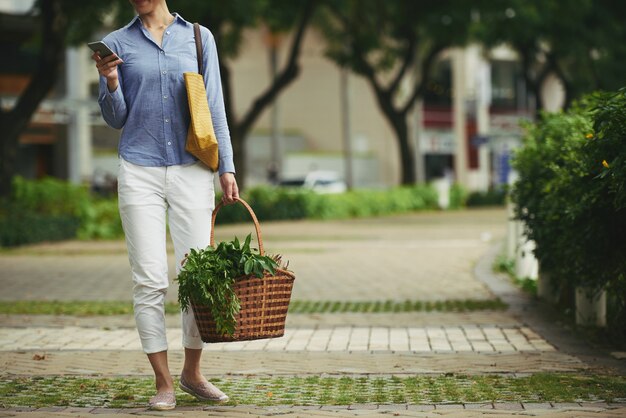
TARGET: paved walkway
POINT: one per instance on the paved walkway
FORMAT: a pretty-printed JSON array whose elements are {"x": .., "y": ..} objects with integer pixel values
[
  {"x": 433, "y": 256},
  {"x": 392, "y": 258},
  {"x": 450, "y": 339},
  {"x": 491, "y": 410}
]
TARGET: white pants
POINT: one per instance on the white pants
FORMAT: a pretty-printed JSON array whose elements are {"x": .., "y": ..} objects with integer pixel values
[{"x": 184, "y": 194}]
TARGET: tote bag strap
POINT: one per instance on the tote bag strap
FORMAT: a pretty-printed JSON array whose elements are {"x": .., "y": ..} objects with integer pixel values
[{"x": 198, "y": 38}]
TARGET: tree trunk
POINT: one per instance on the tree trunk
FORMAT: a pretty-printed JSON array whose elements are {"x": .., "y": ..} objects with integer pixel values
[
  {"x": 13, "y": 122},
  {"x": 398, "y": 121},
  {"x": 240, "y": 127},
  {"x": 10, "y": 129},
  {"x": 237, "y": 138},
  {"x": 407, "y": 158}
]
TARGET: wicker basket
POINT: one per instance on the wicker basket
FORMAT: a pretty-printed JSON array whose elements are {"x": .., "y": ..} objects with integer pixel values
[{"x": 264, "y": 301}]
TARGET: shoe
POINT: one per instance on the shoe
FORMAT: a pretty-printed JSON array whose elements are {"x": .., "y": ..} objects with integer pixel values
[
  {"x": 204, "y": 392},
  {"x": 163, "y": 401}
]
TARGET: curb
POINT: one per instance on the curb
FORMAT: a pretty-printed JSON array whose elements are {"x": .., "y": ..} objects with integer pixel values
[
  {"x": 592, "y": 407},
  {"x": 542, "y": 317}
]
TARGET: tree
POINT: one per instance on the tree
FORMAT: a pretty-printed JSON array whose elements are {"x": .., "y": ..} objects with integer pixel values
[
  {"x": 228, "y": 20},
  {"x": 384, "y": 41},
  {"x": 65, "y": 22},
  {"x": 580, "y": 41},
  {"x": 60, "y": 22},
  {"x": 278, "y": 16}
]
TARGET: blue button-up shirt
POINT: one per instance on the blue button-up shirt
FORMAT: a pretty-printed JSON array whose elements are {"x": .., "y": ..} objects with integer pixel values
[{"x": 150, "y": 103}]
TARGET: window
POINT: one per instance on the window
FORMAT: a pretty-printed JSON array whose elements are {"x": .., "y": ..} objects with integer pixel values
[
  {"x": 507, "y": 85},
  {"x": 439, "y": 87}
]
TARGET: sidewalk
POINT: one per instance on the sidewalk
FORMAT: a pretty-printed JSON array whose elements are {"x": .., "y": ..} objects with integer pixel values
[{"x": 434, "y": 256}]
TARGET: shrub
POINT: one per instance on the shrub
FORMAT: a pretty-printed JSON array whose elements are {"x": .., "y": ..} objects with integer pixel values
[
  {"x": 51, "y": 209},
  {"x": 100, "y": 219},
  {"x": 70, "y": 211},
  {"x": 570, "y": 193},
  {"x": 492, "y": 197},
  {"x": 605, "y": 157},
  {"x": 274, "y": 203},
  {"x": 19, "y": 226},
  {"x": 547, "y": 163},
  {"x": 49, "y": 196},
  {"x": 458, "y": 196}
]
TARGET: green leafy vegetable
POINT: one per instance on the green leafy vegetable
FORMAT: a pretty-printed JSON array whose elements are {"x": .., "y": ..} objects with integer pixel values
[{"x": 208, "y": 276}]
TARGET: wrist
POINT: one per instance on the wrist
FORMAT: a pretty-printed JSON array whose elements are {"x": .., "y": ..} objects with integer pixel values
[{"x": 112, "y": 85}]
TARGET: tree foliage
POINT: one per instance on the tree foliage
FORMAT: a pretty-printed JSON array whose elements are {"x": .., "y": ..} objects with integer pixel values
[
  {"x": 228, "y": 21},
  {"x": 580, "y": 41},
  {"x": 59, "y": 22},
  {"x": 570, "y": 193},
  {"x": 68, "y": 22},
  {"x": 384, "y": 41}
]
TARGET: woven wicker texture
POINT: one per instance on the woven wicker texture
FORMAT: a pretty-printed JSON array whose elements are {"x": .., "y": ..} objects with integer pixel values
[{"x": 264, "y": 301}]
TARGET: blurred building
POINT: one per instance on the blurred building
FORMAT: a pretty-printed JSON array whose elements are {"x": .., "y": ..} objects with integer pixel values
[
  {"x": 463, "y": 129},
  {"x": 471, "y": 145}
]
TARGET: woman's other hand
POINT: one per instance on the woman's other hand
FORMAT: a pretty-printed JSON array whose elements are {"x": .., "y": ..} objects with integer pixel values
[
  {"x": 107, "y": 67},
  {"x": 229, "y": 187}
]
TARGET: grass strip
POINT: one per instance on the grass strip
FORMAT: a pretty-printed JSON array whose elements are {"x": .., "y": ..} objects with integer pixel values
[
  {"x": 91, "y": 308},
  {"x": 128, "y": 392},
  {"x": 75, "y": 308},
  {"x": 506, "y": 266},
  {"x": 395, "y": 306}
]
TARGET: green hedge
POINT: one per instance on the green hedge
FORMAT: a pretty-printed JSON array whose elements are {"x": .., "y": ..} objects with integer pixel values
[
  {"x": 19, "y": 226},
  {"x": 275, "y": 203},
  {"x": 492, "y": 197},
  {"x": 50, "y": 209},
  {"x": 571, "y": 193}
]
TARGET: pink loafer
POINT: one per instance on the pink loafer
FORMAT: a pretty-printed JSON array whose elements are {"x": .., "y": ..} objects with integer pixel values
[
  {"x": 204, "y": 392},
  {"x": 163, "y": 401}
]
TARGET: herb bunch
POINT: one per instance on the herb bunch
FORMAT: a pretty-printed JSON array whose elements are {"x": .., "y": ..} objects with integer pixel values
[{"x": 208, "y": 275}]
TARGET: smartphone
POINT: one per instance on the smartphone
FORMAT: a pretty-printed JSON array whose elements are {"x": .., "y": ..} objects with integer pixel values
[{"x": 101, "y": 48}]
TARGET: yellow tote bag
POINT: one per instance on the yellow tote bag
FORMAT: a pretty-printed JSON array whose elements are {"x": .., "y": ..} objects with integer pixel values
[{"x": 201, "y": 140}]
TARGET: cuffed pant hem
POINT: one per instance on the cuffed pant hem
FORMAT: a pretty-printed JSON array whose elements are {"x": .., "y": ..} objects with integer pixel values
[
  {"x": 156, "y": 349},
  {"x": 194, "y": 344}
]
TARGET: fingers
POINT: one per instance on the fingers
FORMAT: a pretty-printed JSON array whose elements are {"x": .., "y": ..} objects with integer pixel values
[
  {"x": 230, "y": 189},
  {"x": 230, "y": 195},
  {"x": 234, "y": 194},
  {"x": 109, "y": 58},
  {"x": 107, "y": 64}
]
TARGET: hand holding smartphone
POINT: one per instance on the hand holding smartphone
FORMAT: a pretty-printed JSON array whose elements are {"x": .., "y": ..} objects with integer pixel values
[
  {"x": 107, "y": 67},
  {"x": 101, "y": 48}
]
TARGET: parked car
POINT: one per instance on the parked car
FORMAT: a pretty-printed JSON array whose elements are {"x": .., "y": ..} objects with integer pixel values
[{"x": 318, "y": 181}]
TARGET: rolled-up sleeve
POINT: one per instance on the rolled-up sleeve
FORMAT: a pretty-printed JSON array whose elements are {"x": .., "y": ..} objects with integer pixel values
[{"x": 213, "y": 82}]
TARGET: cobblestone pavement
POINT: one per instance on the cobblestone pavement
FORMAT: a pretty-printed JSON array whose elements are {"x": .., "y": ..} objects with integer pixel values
[
  {"x": 491, "y": 410},
  {"x": 392, "y": 258},
  {"x": 480, "y": 339},
  {"x": 431, "y": 256}
]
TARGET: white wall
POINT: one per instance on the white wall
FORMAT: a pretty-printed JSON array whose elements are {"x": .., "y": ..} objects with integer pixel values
[
  {"x": 16, "y": 6},
  {"x": 311, "y": 104}
]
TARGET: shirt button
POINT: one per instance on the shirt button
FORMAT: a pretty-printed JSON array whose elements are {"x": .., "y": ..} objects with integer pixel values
[
  {"x": 165, "y": 97},
  {"x": 162, "y": 52},
  {"x": 169, "y": 143},
  {"x": 163, "y": 72},
  {"x": 168, "y": 32},
  {"x": 167, "y": 120}
]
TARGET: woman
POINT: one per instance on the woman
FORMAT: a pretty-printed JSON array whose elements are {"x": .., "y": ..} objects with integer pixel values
[{"x": 142, "y": 91}]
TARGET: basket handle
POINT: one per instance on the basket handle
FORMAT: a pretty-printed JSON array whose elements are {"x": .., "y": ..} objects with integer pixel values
[{"x": 254, "y": 219}]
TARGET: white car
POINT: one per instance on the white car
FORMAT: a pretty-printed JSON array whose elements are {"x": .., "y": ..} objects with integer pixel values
[{"x": 318, "y": 181}]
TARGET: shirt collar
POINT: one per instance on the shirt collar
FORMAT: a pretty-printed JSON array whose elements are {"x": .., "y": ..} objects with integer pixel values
[{"x": 177, "y": 18}]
